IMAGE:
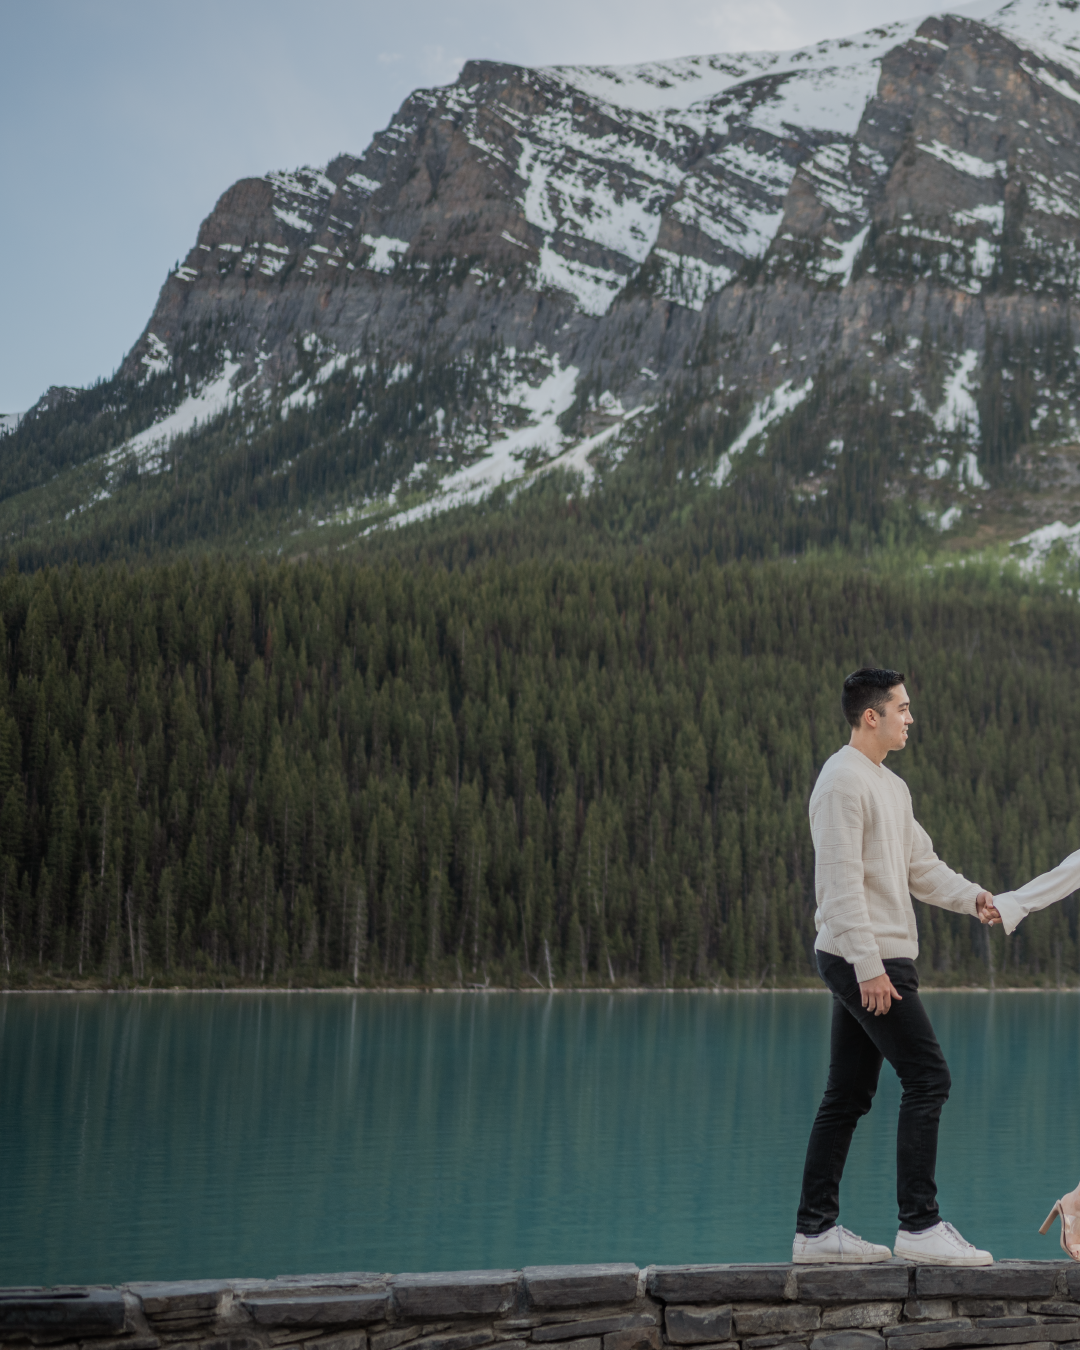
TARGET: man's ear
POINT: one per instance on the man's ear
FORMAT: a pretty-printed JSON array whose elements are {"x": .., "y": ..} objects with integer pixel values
[{"x": 870, "y": 718}]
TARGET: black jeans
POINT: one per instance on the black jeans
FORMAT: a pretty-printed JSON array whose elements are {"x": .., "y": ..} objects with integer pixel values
[{"x": 860, "y": 1041}]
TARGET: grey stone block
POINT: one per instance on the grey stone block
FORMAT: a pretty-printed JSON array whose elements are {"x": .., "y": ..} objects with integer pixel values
[
  {"x": 164, "y": 1298},
  {"x": 362, "y": 1281},
  {"x": 641, "y": 1338},
  {"x": 768, "y": 1321},
  {"x": 144, "y": 1341},
  {"x": 848, "y": 1340},
  {"x": 579, "y": 1286},
  {"x": 929, "y": 1328},
  {"x": 466, "y": 1340},
  {"x": 697, "y": 1324},
  {"x": 235, "y": 1342},
  {"x": 317, "y": 1309},
  {"x": 50, "y": 1313},
  {"x": 838, "y": 1284},
  {"x": 855, "y": 1315},
  {"x": 923, "y": 1340},
  {"x": 344, "y": 1340},
  {"x": 461, "y": 1293},
  {"x": 1043, "y": 1332},
  {"x": 594, "y": 1326},
  {"x": 1004, "y": 1279},
  {"x": 777, "y": 1342},
  {"x": 991, "y": 1307},
  {"x": 1055, "y": 1308},
  {"x": 719, "y": 1284},
  {"x": 1071, "y": 1273},
  {"x": 390, "y": 1340},
  {"x": 585, "y": 1343},
  {"x": 1024, "y": 1320},
  {"x": 929, "y": 1309}
]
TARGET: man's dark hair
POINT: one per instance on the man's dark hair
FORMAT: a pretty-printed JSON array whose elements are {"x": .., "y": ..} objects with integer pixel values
[{"x": 867, "y": 688}]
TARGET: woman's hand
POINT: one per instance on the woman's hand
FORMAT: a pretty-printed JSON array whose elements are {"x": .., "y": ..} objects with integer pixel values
[{"x": 984, "y": 907}]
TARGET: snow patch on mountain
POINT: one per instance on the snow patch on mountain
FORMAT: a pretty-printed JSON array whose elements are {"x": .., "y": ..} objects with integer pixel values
[
  {"x": 970, "y": 473},
  {"x": 846, "y": 255},
  {"x": 742, "y": 207},
  {"x": 958, "y": 411},
  {"x": 991, "y": 213},
  {"x": 1048, "y": 27},
  {"x": 594, "y": 288},
  {"x": 292, "y": 218},
  {"x": 386, "y": 252},
  {"x": 157, "y": 359},
  {"x": 771, "y": 409},
  {"x": 961, "y": 161},
  {"x": 149, "y": 448},
  {"x": 689, "y": 281},
  {"x": 528, "y": 451},
  {"x": 1034, "y": 548},
  {"x": 306, "y": 395},
  {"x": 619, "y": 209},
  {"x": 503, "y": 460},
  {"x": 825, "y": 86}
]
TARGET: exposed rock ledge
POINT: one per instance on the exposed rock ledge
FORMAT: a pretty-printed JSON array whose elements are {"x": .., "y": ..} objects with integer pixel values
[{"x": 599, "y": 1307}]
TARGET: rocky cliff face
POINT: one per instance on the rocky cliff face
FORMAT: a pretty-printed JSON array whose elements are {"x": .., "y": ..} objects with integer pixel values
[{"x": 889, "y": 220}]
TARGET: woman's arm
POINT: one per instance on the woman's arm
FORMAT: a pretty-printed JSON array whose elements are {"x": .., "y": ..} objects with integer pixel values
[{"x": 1044, "y": 890}]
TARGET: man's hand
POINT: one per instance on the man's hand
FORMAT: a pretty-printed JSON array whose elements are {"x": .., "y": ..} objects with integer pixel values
[
  {"x": 984, "y": 907},
  {"x": 878, "y": 994}
]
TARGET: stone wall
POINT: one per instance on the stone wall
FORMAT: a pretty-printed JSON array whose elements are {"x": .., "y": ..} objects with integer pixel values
[{"x": 605, "y": 1307}]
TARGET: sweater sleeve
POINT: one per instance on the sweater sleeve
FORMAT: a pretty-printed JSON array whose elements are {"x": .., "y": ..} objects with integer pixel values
[
  {"x": 1048, "y": 889},
  {"x": 837, "y": 827},
  {"x": 932, "y": 880}
]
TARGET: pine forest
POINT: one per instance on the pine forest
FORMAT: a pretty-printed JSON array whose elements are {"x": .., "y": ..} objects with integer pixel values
[{"x": 530, "y": 773}]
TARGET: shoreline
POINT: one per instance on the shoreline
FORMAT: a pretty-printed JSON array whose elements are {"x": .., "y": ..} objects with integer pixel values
[{"x": 510, "y": 989}]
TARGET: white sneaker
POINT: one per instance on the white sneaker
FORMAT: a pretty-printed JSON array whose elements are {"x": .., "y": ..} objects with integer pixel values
[
  {"x": 836, "y": 1246},
  {"x": 941, "y": 1245}
]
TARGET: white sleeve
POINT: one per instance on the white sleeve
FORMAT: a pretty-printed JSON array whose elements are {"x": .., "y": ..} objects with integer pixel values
[{"x": 1045, "y": 890}]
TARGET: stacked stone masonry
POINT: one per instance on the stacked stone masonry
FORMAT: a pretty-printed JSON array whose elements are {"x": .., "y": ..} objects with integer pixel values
[{"x": 1034, "y": 1304}]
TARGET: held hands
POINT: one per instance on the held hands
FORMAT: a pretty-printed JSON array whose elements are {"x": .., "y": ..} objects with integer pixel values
[
  {"x": 984, "y": 907},
  {"x": 877, "y": 994}
]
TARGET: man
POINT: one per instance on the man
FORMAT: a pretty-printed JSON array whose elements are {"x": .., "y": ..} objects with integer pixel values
[{"x": 872, "y": 856}]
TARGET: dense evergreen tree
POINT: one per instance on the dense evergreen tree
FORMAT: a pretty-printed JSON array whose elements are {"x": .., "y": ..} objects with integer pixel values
[{"x": 535, "y": 772}]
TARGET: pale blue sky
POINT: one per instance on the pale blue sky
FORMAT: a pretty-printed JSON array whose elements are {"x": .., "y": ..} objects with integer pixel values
[{"x": 123, "y": 121}]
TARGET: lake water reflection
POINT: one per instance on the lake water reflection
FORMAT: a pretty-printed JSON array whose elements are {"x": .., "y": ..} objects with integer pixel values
[{"x": 179, "y": 1136}]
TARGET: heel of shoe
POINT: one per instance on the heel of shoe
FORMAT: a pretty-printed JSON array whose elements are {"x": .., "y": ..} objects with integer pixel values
[{"x": 1051, "y": 1217}]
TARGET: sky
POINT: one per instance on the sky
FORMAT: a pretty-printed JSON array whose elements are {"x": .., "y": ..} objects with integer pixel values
[{"x": 123, "y": 121}]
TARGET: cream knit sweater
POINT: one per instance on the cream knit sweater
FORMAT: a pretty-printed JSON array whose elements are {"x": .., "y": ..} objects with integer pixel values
[{"x": 872, "y": 856}]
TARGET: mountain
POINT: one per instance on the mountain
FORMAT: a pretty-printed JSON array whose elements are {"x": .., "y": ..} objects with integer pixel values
[{"x": 808, "y": 296}]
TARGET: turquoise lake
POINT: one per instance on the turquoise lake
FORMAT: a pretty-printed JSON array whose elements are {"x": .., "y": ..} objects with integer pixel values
[{"x": 190, "y": 1135}]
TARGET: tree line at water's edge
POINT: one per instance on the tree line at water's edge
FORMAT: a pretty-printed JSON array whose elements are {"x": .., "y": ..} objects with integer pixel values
[{"x": 524, "y": 774}]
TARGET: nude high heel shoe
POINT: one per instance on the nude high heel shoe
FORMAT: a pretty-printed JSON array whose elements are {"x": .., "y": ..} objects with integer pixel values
[{"x": 1068, "y": 1210}]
